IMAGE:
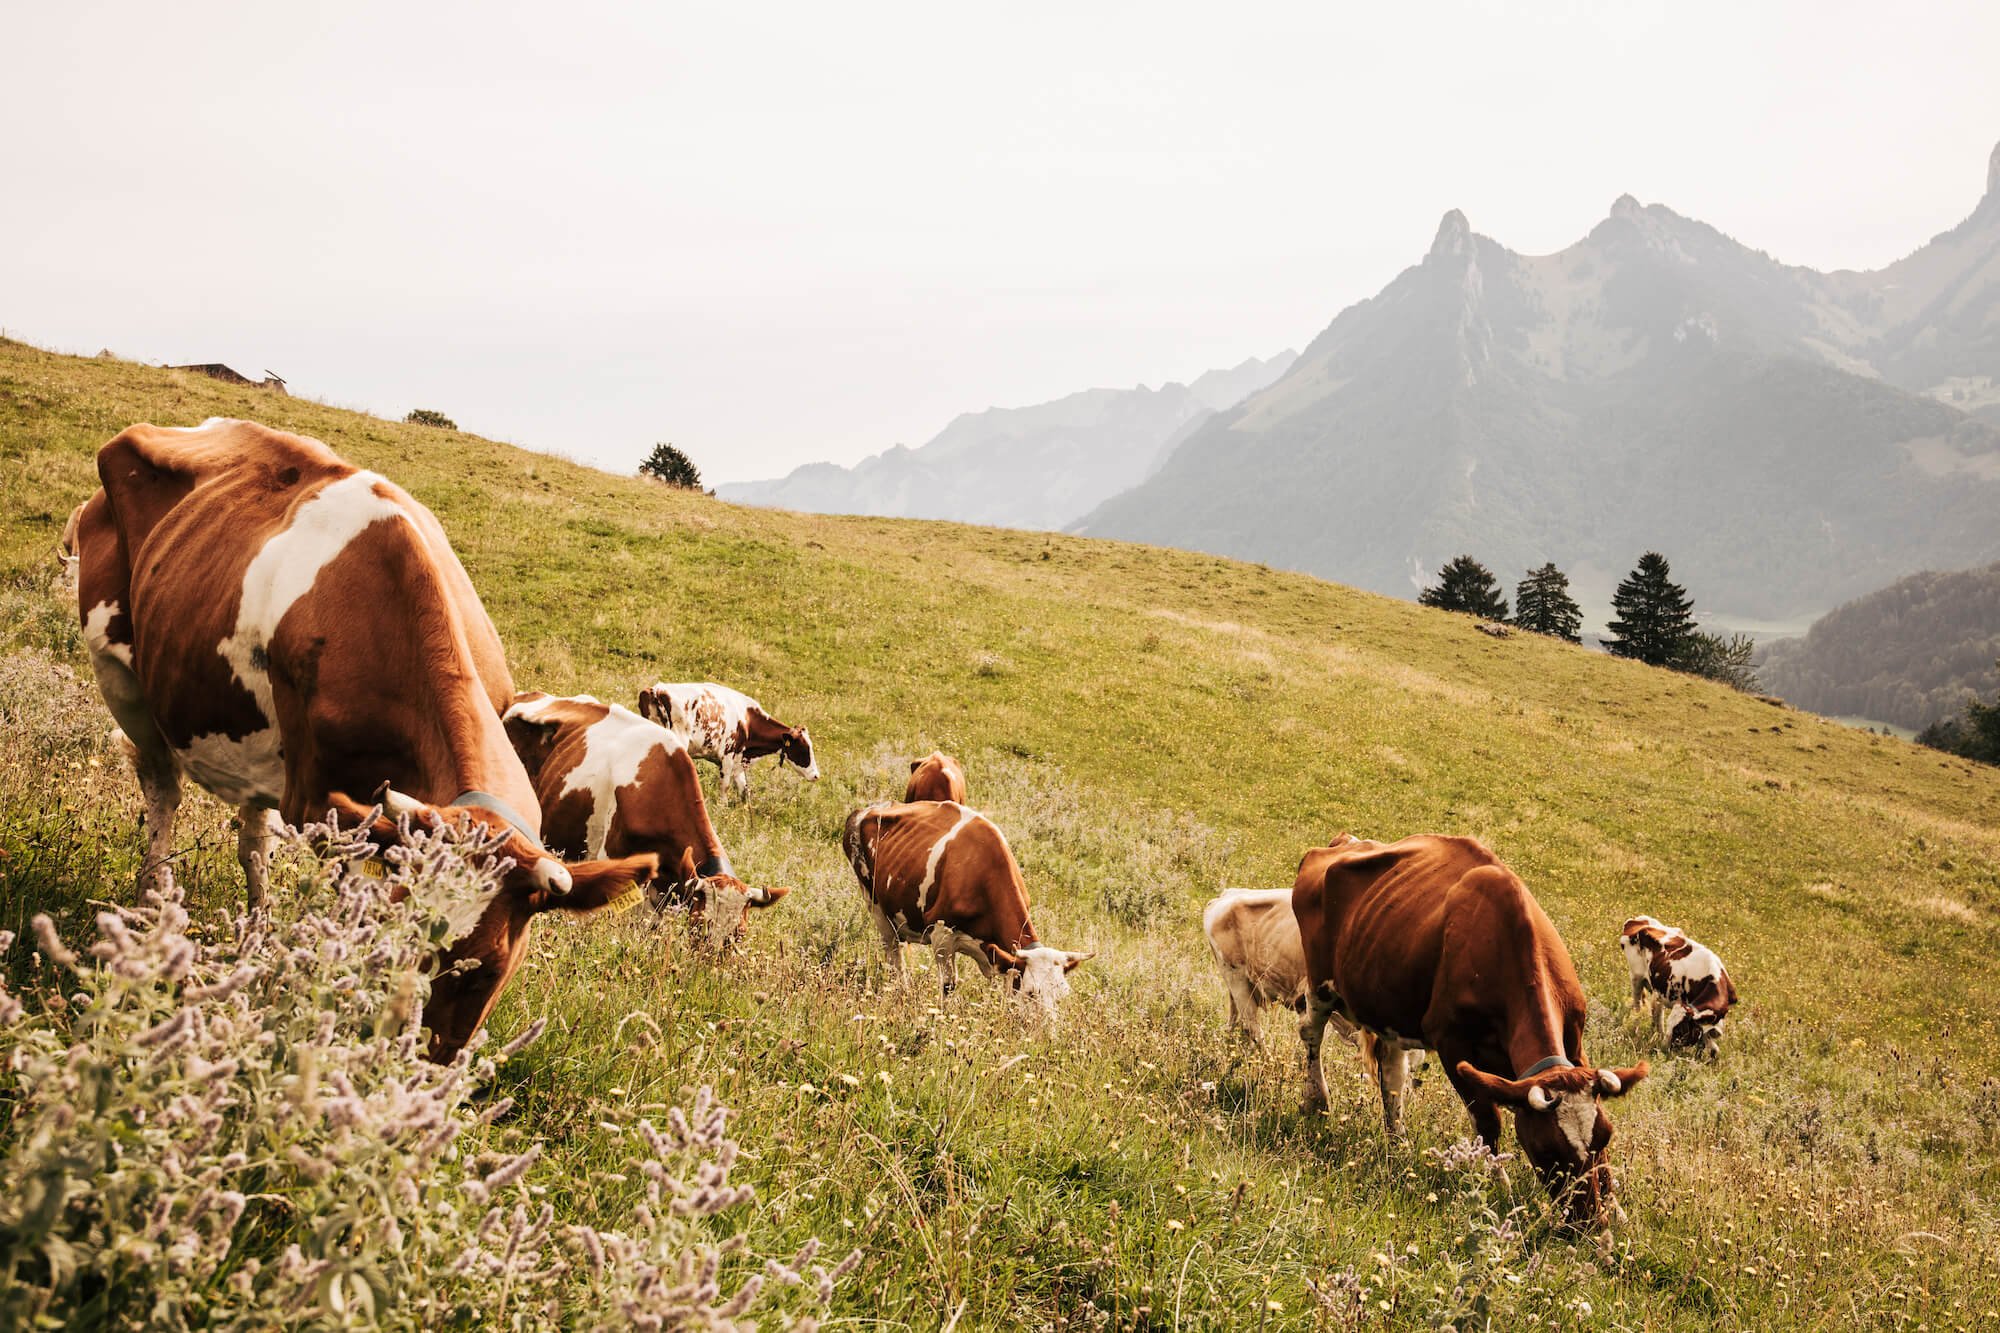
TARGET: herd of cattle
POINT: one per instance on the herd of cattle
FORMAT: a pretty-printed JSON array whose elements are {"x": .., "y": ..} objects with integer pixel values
[{"x": 297, "y": 636}]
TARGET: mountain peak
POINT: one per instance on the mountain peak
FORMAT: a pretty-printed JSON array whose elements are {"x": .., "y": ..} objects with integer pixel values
[
  {"x": 1625, "y": 206},
  {"x": 1454, "y": 234}
]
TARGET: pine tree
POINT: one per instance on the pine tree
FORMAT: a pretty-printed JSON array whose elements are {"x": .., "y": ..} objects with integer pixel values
[
  {"x": 1542, "y": 603},
  {"x": 670, "y": 465},
  {"x": 1655, "y": 619},
  {"x": 1466, "y": 585}
]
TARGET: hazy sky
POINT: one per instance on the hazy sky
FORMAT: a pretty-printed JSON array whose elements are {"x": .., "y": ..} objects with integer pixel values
[{"x": 775, "y": 234}]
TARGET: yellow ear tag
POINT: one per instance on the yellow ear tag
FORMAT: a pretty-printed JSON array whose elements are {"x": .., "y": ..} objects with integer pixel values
[
  {"x": 625, "y": 901},
  {"x": 374, "y": 868}
]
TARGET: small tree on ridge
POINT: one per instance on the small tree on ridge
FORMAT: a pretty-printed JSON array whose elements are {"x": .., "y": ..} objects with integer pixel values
[
  {"x": 1466, "y": 585},
  {"x": 1655, "y": 618},
  {"x": 668, "y": 464},
  {"x": 1542, "y": 604}
]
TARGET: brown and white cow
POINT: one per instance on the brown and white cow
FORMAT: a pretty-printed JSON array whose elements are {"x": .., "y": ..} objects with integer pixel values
[
  {"x": 612, "y": 783},
  {"x": 1690, "y": 990},
  {"x": 1255, "y": 939},
  {"x": 941, "y": 872},
  {"x": 1432, "y": 943},
  {"x": 290, "y": 631},
  {"x": 728, "y": 728},
  {"x": 935, "y": 777}
]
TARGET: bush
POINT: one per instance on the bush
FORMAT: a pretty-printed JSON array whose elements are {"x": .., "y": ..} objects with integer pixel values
[
  {"x": 241, "y": 1128},
  {"x": 423, "y": 416}
]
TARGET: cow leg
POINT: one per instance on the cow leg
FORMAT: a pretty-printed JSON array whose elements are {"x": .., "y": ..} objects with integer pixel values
[
  {"x": 159, "y": 775},
  {"x": 1312, "y": 1030},
  {"x": 1244, "y": 1011},
  {"x": 1639, "y": 990},
  {"x": 736, "y": 775},
  {"x": 892, "y": 943},
  {"x": 257, "y": 830},
  {"x": 1392, "y": 1078},
  {"x": 944, "y": 943}
]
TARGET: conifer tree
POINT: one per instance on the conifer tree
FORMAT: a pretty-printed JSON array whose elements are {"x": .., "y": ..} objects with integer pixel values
[
  {"x": 1466, "y": 585},
  {"x": 670, "y": 465},
  {"x": 1654, "y": 623},
  {"x": 1542, "y": 603}
]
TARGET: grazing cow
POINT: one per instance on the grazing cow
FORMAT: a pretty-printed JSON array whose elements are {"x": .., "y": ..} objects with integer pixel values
[
  {"x": 288, "y": 630},
  {"x": 1689, "y": 988},
  {"x": 729, "y": 729},
  {"x": 1255, "y": 939},
  {"x": 936, "y": 777},
  {"x": 937, "y": 870},
  {"x": 612, "y": 783},
  {"x": 1432, "y": 943}
]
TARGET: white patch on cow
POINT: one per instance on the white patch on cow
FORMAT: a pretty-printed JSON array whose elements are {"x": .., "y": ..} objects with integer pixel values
[
  {"x": 723, "y": 912},
  {"x": 97, "y": 633},
  {"x": 613, "y": 748},
  {"x": 251, "y": 769},
  {"x": 463, "y": 915},
  {"x": 212, "y": 421},
  {"x": 965, "y": 816},
  {"x": 553, "y": 876},
  {"x": 1576, "y": 1117},
  {"x": 1044, "y": 980}
]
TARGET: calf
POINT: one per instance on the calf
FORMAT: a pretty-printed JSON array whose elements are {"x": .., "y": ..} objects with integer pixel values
[
  {"x": 729, "y": 729},
  {"x": 1432, "y": 943},
  {"x": 936, "y": 777},
  {"x": 1689, "y": 989},
  {"x": 289, "y": 630},
  {"x": 937, "y": 871},
  {"x": 1255, "y": 939},
  {"x": 612, "y": 783}
]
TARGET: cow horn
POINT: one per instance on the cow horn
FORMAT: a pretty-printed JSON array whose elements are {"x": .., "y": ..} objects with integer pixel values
[
  {"x": 397, "y": 804},
  {"x": 553, "y": 875},
  {"x": 1539, "y": 1099},
  {"x": 1608, "y": 1084}
]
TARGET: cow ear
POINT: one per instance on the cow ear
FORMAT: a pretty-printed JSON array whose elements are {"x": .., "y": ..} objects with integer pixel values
[
  {"x": 763, "y": 897},
  {"x": 596, "y": 885},
  {"x": 999, "y": 957},
  {"x": 378, "y": 828},
  {"x": 1072, "y": 960},
  {"x": 916, "y": 764},
  {"x": 650, "y": 704},
  {"x": 1514, "y": 1093},
  {"x": 1618, "y": 1082}
]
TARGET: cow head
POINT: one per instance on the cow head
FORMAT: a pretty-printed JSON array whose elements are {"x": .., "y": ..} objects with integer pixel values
[
  {"x": 1563, "y": 1129},
  {"x": 1039, "y": 975},
  {"x": 718, "y": 903},
  {"x": 477, "y": 966},
  {"x": 1689, "y": 1028},
  {"x": 797, "y": 748}
]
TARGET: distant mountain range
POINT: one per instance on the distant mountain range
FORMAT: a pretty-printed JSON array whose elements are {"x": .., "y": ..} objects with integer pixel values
[
  {"x": 1908, "y": 654},
  {"x": 1789, "y": 438},
  {"x": 1021, "y": 467}
]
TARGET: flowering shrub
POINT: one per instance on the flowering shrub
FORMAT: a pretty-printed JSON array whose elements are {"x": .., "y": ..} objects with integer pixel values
[{"x": 244, "y": 1131}]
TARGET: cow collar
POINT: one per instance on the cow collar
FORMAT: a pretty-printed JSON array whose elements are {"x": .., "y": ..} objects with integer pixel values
[
  {"x": 717, "y": 864},
  {"x": 487, "y": 801},
  {"x": 1541, "y": 1066}
]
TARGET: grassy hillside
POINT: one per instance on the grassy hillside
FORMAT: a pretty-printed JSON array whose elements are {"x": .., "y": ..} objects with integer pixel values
[{"x": 1148, "y": 725}]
